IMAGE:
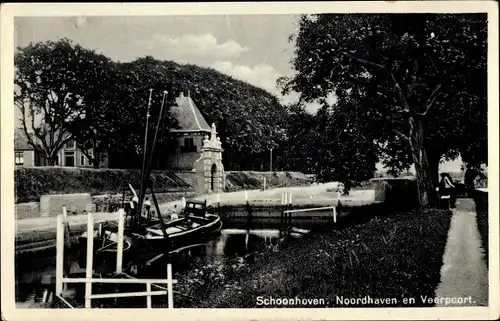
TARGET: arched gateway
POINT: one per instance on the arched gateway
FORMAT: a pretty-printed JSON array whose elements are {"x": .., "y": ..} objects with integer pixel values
[{"x": 210, "y": 177}]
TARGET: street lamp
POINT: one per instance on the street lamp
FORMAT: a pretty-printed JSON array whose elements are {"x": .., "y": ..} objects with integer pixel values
[{"x": 271, "y": 160}]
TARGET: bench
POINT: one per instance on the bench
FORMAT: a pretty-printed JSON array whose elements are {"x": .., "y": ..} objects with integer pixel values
[{"x": 444, "y": 200}]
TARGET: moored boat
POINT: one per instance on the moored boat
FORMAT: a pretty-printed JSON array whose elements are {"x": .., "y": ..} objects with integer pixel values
[{"x": 144, "y": 242}]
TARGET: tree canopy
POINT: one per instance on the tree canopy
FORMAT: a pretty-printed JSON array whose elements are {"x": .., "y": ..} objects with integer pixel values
[
  {"x": 52, "y": 92},
  {"x": 105, "y": 105},
  {"x": 412, "y": 85}
]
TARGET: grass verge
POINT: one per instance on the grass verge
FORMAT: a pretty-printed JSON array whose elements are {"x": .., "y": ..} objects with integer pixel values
[{"x": 397, "y": 257}]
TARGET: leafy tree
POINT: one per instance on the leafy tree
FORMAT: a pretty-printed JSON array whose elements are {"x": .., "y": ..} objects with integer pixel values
[
  {"x": 240, "y": 111},
  {"x": 420, "y": 80},
  {"x": 300, "y": 152},
  {"x": 48, "y": 92},
  {"x": 65, "y": 92},
  {"x": 136, "y": 80},
  {"x": 101, "y": 108},
  {"x": 347, "y": 152}
]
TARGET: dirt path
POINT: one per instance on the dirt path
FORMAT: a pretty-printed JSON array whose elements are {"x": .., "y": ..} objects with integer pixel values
[{"x": 464, "y": 273}]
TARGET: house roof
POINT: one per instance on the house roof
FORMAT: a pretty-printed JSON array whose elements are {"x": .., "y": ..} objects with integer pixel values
[
  {"x": 20, "y": 140},
  {"x": 188, "y": 116}
]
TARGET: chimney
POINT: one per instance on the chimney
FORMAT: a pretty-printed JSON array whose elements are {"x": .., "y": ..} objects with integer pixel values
[
  {"x": 181, "y": 94},
  {"x": 189, "y": 93}
]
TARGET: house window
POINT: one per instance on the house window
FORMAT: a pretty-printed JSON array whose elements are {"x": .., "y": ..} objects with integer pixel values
[
  {"x": 69, "y": 158},
  {"x": 19, "y": 158},
  {"x": 70, "y": 145},
  {"x": 189, "y": 145}
]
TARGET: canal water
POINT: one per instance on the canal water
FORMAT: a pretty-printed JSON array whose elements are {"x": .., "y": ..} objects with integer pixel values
[{"x": 213, "y": 260}]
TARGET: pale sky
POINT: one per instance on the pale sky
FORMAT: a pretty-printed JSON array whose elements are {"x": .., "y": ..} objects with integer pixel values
[{"x": 252, "y": 48}]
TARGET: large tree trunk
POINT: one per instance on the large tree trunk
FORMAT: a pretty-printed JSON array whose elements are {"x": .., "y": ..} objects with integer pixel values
[
  {"x": 51, "y": 160},
  {"x": 434, "y": 159},
  {"x": 96, "y": 160},
  {"x": 426, "y": 191}
]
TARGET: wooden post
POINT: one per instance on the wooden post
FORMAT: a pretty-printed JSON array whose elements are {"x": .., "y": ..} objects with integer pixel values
[
  {"x": 119, "y": 249},
  {"x": 148, "y": 298},
  {"x": 290, "y": 198},
  {"x": 60, "y": 253},
  {"x": 246, "y": 195},
  {"x": 334, "y": 214},
  {"x": 67, "y": 238},
  {"x": 170, "y": 291},
  {"x": 282, "y": 205},
  {"x": 264, "y": 183},
  {"x": 90, "y": 256},
  {"x": 44, "y": 297}
]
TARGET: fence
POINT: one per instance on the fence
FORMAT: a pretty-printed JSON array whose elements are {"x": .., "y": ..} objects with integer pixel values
[
  {"x": 286, "y": 203},
  {"x": 89, "y": 280}
]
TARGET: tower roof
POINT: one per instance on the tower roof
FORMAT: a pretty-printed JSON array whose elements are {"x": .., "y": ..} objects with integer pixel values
[{"x": 188, "y": 116}]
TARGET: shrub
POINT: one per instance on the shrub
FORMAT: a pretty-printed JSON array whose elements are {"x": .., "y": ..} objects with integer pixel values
[{"x": 393, "y": 255}]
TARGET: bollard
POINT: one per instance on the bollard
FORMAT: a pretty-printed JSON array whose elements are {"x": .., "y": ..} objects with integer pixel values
[
  {"x": 170, "y": 291},
  {"x": 119, "y": 250},
  {"x": 60, "y": 254},
  {"x": 90, "y": 257}
]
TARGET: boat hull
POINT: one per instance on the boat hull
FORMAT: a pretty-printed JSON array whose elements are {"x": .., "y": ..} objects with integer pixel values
[{"x": 140, "y": 248}]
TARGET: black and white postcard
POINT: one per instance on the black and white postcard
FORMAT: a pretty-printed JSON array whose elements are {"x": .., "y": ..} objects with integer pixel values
[{"x": 250, "y": 161}]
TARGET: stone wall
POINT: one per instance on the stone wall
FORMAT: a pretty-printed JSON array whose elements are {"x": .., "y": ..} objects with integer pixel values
[
  {"x": 398, "y": 193},
  {"x": 51, "y": 205}
]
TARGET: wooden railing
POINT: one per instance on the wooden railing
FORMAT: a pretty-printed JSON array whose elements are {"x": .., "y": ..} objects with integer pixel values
[{"x": 89, "y": 280}]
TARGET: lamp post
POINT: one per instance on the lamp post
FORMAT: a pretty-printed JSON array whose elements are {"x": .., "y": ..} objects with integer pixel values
[
  {"x": 271, "y": 160},
  {"x": 94, "y": 155}
]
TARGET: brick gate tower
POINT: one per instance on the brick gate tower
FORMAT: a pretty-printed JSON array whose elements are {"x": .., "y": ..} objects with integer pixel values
[{"x": 210, "y": 177}]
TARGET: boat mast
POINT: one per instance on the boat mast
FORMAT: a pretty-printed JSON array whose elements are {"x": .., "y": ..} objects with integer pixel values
[
  {"x": 158, "y": 123},
  {"x": 147, "y": 181},
  {"x": 147, "y": 170},
  {"x": 141, "y": 189}
]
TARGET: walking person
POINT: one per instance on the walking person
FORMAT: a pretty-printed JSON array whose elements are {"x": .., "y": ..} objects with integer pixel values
[
  {"x": 174, "y": 215},
  {"x": 469, "y": 178},
  {"x": 134, "y": 204},
  {"x": 147, "y": 206},
  {"x": 446, "y": 188}
]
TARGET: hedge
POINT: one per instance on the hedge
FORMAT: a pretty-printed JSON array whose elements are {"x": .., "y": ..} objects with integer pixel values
[
  {"x": 255, "y": 180},
  {"x": 31, "y": 183},
  {"x": 393, "y": 255}
]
